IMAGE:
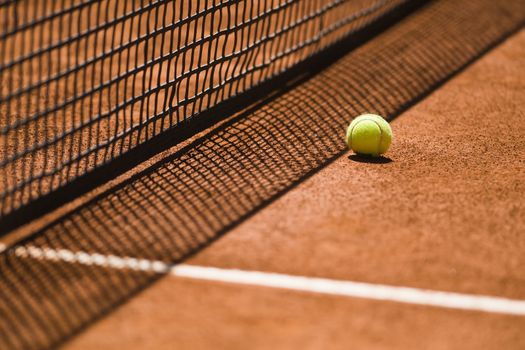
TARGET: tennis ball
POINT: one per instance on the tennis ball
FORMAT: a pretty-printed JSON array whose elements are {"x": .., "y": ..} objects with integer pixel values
[{"x": 369, "y": 134}]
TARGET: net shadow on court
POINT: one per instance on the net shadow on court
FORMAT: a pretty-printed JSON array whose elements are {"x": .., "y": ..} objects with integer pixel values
[
  {"x": 183, "y": 203},
  {"x": 90, "y": 88}
]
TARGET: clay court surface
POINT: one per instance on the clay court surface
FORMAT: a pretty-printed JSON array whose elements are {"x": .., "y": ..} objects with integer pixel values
[
  {"x": 273, "y": 190},
  {"x": 447, "y": 213}
]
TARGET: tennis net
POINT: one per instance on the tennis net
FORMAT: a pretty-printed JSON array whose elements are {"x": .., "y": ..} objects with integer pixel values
[{"x": 83, "y": 82}]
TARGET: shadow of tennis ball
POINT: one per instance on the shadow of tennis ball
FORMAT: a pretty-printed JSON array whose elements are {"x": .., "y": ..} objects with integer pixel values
[{"x": 370, "y": 159}]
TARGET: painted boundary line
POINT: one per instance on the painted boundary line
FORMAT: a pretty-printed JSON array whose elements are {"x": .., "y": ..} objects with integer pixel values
[{"x": 351, "y": 289}]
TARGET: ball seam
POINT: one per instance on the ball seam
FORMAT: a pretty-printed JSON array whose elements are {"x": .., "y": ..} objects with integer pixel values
[{"x": 380, "y": 133}]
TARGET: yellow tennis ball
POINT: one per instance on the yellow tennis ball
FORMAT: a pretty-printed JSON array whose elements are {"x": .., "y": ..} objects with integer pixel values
[{"x": 369, "y": 134}]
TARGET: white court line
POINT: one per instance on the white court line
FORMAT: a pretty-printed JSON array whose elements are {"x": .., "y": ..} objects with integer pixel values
[{"x": 298, "y": 283}]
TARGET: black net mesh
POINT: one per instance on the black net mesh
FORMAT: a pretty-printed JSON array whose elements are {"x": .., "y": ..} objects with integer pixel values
[
  {"x": 83, "y": 82},
  {"x": 81, "y": 266}
]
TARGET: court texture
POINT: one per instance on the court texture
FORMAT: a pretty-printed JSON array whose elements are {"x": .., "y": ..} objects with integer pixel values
[{"x": 174, "y": 174}]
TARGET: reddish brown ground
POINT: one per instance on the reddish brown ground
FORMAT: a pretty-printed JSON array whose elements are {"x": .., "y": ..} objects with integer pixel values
[
  {"x": 185, "y": 314},
  {"x": 272, "y": 189},
  {"x": 447, "y": 213}
]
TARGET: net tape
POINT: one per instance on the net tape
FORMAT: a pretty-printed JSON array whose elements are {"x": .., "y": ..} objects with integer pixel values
[{"x": 83, "y": 82}]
